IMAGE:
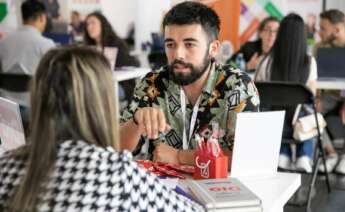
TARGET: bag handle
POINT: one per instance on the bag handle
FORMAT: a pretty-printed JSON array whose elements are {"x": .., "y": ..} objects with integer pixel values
[
  {"x": 295, "y": 116},
  {"x": 201, "y": 166}
]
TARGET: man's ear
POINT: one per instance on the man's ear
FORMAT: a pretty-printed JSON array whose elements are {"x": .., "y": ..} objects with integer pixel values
[
  {"x": 214, "y": 48},
  {"x": 338, "y": 28}
]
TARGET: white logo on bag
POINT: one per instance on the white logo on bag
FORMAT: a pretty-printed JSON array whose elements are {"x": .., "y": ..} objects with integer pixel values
[{"x": 204, "y": 168}]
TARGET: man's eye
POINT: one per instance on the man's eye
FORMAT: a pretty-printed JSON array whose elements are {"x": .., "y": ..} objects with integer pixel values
[
  {"x": 169, "y": 45},
  {"x": 189, "y": 45}
]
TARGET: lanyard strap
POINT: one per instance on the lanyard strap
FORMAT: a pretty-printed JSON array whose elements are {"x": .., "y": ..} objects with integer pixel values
[{"x": 192, "y": 121}]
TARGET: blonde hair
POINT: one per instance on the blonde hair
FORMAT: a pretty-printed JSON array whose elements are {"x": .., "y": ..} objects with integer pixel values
[{"x": 72, "y": 98}]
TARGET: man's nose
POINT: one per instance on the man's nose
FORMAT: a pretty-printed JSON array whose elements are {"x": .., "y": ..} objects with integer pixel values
[{"x": 180, "y": 52}]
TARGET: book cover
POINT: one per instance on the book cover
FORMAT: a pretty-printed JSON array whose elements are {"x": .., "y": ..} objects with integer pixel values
[{"x": 224, "y": 193}]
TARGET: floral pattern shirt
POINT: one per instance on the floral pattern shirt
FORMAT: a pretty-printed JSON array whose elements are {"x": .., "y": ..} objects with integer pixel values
[{"x": 227, "y": 92}]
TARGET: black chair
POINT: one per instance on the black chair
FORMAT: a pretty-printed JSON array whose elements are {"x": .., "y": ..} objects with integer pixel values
[
  {"x": 15, "y": 82},
  {"x": 157, "y": 59},
  {"x": 286, "y": 95}
]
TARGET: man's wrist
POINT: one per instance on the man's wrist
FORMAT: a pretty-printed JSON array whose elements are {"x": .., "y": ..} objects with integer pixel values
[
  {"x": 135, "y": 121},
  {"x": 179, "y": 156}
]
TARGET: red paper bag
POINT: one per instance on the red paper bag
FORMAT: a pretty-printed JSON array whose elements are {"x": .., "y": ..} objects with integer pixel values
[
  {"x": 210, "y": 167},
  {"x": 210, "y": 161}
]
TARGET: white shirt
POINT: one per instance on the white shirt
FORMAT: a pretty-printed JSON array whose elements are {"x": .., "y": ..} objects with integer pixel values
[
  {"x": 262, "y": 71},
  {"x": 25, "y": 48}
]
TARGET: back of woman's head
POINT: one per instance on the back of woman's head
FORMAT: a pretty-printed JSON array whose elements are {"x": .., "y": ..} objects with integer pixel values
[
  {"x": 72, "y": 98},
  {"x": 290, "y": 61},
  {"x": 108, "y": 35}
]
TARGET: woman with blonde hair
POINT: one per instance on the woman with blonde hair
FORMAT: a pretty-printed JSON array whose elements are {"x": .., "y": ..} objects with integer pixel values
[{"x": 70, "y": 162}]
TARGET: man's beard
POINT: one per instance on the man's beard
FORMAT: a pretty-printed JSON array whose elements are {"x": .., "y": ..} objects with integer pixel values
[{"x": 194, "y": 74}]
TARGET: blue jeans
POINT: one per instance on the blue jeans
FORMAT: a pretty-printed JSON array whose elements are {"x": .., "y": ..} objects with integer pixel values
[{"x": 305, "y": 148}]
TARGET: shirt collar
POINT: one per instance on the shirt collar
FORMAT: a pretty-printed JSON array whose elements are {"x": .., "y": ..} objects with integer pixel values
[
  {"x": 30, "y": 28},
  {"x": 211, "y": 80}
]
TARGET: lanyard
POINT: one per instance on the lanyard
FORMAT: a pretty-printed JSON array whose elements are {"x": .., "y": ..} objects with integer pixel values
[{"x": 193, "y": 118}]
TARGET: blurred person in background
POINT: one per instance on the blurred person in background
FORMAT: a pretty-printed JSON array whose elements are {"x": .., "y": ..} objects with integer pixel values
[
  {"x": 53, "y": 13},
  {"x": 253, "y": 50},
  {"x": 289, "y": 61},
  {"x": 77, "y": 27},
  {"x": 99, "y": 32},
  {"x": 21, "y": 50},
  {"x": 332, "y": 104}
]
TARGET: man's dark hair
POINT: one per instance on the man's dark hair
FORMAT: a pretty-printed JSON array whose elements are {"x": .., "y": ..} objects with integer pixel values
[
  {"x": 334, "y": 16},
  {"x": 265, "y": 21},
  {"x": 32, "y": 9},
  {"x": 188, "y": 12}
]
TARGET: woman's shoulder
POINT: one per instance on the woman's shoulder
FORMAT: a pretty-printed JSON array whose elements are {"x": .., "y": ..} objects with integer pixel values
[{"x": 82, "y": 150}]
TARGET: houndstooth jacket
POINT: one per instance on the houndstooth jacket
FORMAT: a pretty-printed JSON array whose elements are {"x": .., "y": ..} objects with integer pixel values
[{"x": 90, "y": 178}]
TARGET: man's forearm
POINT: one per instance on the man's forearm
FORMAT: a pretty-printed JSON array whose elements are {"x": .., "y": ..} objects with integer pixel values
[
  {"x": 129, "y": 135},
  {"x": 186, "y": 157}
]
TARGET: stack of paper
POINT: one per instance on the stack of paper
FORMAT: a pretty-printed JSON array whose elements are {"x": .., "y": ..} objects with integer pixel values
[{"x": 225, "y": 195}]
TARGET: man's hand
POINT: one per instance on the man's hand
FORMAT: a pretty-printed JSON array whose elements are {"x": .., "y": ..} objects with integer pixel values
[
  {"x": 253, "y": 62},
  {"x": 151, "y": 121},
  {"x": 165, "y": 153}
]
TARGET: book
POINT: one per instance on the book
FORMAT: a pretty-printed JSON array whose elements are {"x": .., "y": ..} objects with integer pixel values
[{"x": 224, "y": 194}]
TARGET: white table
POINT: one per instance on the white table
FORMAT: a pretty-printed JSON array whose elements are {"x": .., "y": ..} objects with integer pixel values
[
  {"x": 331, "y": 85},
  {"x": 129, "y": 73},
  {"x": 276, "y": 191}
]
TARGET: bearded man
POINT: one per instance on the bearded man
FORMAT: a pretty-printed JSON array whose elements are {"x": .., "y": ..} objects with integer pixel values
[{"x": 191, "y": 97}]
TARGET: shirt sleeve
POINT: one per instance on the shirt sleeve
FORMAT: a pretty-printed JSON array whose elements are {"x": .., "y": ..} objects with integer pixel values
[
  {"x": 145, "y": 192},
  {"x": 141, "y": 97},
  {"x": 243, "y": 97}
]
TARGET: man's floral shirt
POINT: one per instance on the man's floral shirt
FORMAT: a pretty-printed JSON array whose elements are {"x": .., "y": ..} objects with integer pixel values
[{"x": 228, "y": 91}]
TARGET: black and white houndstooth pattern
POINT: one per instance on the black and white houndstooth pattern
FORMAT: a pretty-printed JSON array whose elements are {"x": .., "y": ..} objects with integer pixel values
[{"x": 90, "y": 178}]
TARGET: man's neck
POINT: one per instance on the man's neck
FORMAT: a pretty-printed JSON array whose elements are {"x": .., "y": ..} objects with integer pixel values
[
  {"x": 34, "y": 25},
  {"x": 194, "y": 90}
]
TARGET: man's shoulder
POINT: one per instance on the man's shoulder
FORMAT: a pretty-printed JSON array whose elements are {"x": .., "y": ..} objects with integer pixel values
[
  {"x": 157, "y": 74},
  {"x": 320, "y": 45},
  {"x": 229, "y": 78},
  {"x": 230, "y": 72},
  {"x": 44, "y": 41},
  {"x": 26, "y": 36}
]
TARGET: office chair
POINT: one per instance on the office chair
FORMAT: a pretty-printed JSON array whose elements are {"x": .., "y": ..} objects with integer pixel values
[
  {"x": 157, "y": 59},
  {"x": 14, "y": 82},
  {"x": 287, "y": 95}
]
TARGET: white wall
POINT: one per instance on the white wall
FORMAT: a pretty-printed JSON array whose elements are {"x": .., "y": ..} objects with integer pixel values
[
  {"x": 120, "y": 13},
  {"x": 336, "y": 4},
  {"x": 146, "y": 15},
  {"x": 304, "y": 8},
  {"x": 149, "y": 15}
]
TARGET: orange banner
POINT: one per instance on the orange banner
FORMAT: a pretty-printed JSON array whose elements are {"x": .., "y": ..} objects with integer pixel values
[{"x": 229, "y": 13}]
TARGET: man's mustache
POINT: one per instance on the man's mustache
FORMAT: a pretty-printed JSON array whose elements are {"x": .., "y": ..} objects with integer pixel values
[{"x": 180, "y": 62}]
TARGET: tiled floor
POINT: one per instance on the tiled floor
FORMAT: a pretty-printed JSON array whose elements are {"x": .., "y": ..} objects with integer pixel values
[{"x": 322, "y": 201}]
